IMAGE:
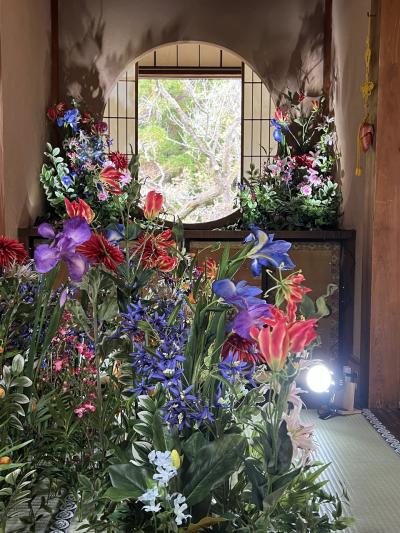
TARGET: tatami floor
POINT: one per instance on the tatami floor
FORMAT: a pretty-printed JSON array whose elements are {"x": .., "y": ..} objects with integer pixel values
[{"x": 367, "y": 466}]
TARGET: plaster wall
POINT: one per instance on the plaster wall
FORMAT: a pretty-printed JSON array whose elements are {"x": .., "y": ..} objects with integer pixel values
[
  {"x": 282, "y": 41},
  {"x": 25, "y": 82}
]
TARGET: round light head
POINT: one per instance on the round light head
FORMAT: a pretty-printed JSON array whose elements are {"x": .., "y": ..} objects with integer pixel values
[{"x": 319, "y": 378}]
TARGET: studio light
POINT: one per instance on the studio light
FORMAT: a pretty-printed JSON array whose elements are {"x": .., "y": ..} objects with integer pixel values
[{"x": 319, "y": 378}]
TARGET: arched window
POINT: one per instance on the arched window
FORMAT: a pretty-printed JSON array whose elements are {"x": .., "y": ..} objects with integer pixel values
[{"x": 198, "y": 116}]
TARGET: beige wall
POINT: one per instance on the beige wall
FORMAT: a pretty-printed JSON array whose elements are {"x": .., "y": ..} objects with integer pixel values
[
  {"x": 282, "y": 40},
  {"x": 25, "y": 80},
  {"x": 349, "y": 29}
]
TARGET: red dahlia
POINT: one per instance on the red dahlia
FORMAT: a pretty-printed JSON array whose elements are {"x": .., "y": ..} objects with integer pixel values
[
  {"x": 246, "y": 350},
  {"x": 119, "y": 160},
  {"x": 99, "y": 251},
  {"x": 11, "y": 251}
]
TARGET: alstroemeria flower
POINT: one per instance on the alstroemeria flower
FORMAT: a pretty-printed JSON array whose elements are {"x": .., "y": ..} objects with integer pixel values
[
  {"x": 79, "y": 208},
  {"x": 266, "y": 251},
  {"x": 63, "y": 248},
  {"x": 153, "y": 205}
]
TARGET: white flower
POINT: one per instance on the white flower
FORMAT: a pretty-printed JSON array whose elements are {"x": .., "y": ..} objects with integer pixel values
[
  {"x": 301, "y": 435},
  {"x": 180, "y": 506},
  {"x": 165, "y": 468},
  {"x": 150, "y": 497}
]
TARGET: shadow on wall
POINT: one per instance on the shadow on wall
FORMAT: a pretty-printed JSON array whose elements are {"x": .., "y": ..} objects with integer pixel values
[{"x": 282, "y": 41}]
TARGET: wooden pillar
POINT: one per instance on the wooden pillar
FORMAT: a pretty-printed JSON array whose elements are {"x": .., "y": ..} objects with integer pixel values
[
  {"x": 2, "y": 178},
  {"x": 384, "y": 375}
]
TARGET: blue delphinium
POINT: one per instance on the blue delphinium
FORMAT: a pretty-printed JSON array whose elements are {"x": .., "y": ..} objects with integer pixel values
[{"x": 165, "y": 362}]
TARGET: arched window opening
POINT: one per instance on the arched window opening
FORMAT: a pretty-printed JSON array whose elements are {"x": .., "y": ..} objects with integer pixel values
[{"x": 198, "y": 116}]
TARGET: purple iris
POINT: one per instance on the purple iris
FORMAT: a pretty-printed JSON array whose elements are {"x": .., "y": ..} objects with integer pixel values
[
  {"x": 277, "y": 134},
  {"x": 76, "y": 231},
  {"x": 240, "y": 295},
  {"x": 244, "y": 298},
  {"x": 266, "y": 251}
]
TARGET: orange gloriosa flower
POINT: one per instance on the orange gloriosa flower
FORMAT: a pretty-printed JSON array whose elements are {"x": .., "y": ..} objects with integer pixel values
[{"x": 79, "y": 208}]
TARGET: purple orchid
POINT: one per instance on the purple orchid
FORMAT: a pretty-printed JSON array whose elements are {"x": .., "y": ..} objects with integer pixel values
[
  {"x": 76, "y": 231},
  {"x": 266, "y": 251},
  {"x": 250, "y": 317}
]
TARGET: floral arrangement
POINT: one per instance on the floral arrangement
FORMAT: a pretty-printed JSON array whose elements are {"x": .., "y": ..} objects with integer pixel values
[
  {"x": 297, "y": 189},
  {"x": 84, "y": 169},
  {"x": 156, "y": 390}
]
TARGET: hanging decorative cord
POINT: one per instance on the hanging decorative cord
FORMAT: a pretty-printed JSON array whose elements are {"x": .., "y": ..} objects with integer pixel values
[{"x": 365, "y": 133}]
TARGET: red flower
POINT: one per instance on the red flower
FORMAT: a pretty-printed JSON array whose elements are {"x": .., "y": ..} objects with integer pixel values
[
  {"x": 293, "y": 288},
  {"x": 245, "y": 349},
  {"x": 110, "y": 176},
  {"x": 11, "y": 251},
  {"x": 60, "y": 109},
  {"x": 150, "y": 247},
  {"x": 99, "y": 251},
  {"x": 165, "y": 263},
  {"x": 153, "y": 204},
  {"x": 119, "y": 160},
  {"x": 273, "y": 343},
  {"x": 283, "y": 335},
  {"x": 86, "y": 118},
  {"x": 304, "y": 160},
  {"x": 52, "y": 114},
  {"x": 79, "y": 209},
  {"x": 210, "y": 267},
  {"x": 100, "y": 128}
]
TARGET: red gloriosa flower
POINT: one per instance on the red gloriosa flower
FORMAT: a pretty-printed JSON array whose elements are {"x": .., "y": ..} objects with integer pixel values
[
  {"x": 100, "y": 251},
  {"x": 11, "y": 251},
  {"x": 79, "y": 208},
  {"x": 111, "y": 178}
]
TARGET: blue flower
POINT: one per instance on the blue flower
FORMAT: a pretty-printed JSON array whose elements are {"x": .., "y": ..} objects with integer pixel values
[
  {"x": 232, "y": 368},
  {"x": 66, "y": 180},
  {"x": 277, "y": 134},
  {"x": 266, "y": 251},
  {"x": 70, "y": 118},
  {"x": 244, "y": 298},
  {"x": 241, "y": 295}
]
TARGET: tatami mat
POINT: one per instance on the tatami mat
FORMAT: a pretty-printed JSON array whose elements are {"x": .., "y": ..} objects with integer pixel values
[{"x": 366, "y": 465}]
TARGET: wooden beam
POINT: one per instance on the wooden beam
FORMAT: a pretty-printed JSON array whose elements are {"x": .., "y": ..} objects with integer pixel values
[{"x": 384, "y": 383}]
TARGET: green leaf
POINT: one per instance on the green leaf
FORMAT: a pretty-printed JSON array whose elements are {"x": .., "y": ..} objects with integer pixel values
[
  {"x": 130, "y": 479},
  {"x": 17, "y": 365},
  {"x": 193, "y": 444},
  {"x": 212, "y": 465},
  {"x": 85, "y": 483}
]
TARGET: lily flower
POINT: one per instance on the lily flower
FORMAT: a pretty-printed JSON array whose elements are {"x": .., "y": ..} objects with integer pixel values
[{"x": 76, "y": 231}]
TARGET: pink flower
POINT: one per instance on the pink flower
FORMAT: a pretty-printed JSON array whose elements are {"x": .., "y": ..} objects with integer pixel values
[
  {"x": 58, "y": 363},
  {"x": 305, "y": 190},
  {"x": 125, "y": 178},
  {"x": 102, "y": 196},
  {"x": 301, "y": 435},
  {"x": 294, "y": 397}
]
